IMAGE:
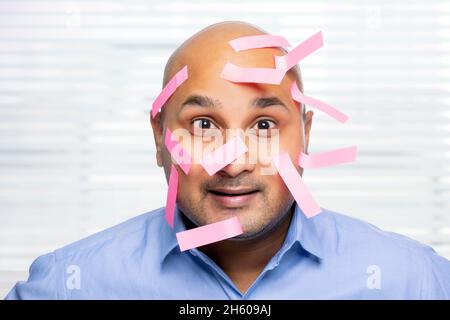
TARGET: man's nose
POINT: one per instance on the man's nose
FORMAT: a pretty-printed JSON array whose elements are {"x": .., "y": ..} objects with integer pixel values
[{"x": 238, "y": 166}]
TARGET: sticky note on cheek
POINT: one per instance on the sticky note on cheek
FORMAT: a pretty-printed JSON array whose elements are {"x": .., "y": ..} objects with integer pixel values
[
  {"x": 328, "y": 158},
  {"x": 178, "y": 153},
  {"x": 169, "y": 89},
  {"x": 171, "y": 195},
  {"x": 223, "y": 156},
  {"x": 294, "y": 183},
  {"x": 209, "y": 233}
]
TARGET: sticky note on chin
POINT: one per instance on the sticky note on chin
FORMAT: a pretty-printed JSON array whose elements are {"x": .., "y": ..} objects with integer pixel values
[{"x": 209, "y": 233}]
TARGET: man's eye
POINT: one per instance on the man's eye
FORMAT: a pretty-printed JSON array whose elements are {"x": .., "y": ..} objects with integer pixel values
[
  {"x": 265, "y": 125},
  {"x": 203, "y": 124}
]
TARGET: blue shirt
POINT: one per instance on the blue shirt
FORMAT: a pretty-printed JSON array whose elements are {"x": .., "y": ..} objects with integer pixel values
[{"x": 330, "y": 256}]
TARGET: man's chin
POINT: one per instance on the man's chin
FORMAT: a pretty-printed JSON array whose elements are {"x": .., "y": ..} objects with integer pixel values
[
  {"x": 247, "y": 236},
  {"x": 259, "y": 229},
  {"x": 244, "y": 213},
  {"x": 256, "y": 232},
  {"x": 253, "y": 222}
]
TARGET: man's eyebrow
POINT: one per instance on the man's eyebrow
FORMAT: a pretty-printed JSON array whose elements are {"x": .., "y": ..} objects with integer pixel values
[
  {"x": 264, "y": 102},
  {"x": 208, "y": 102},
  {"x": 201, "y": 101}
]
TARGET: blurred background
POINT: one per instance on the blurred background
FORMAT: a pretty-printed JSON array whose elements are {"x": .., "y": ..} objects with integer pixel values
[{"x": 77, "y": 79}]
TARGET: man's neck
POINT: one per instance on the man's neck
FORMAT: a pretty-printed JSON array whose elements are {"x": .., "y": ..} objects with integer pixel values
[{"x": 244, "y": 260}]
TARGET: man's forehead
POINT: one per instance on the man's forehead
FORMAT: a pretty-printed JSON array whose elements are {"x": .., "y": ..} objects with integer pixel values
[
  {"x": 208, "y": 59},
  {"x": 206, "y": 65}
]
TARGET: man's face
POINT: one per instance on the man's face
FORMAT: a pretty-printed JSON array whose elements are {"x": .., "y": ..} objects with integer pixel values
[{"x": 205, "y": 107}]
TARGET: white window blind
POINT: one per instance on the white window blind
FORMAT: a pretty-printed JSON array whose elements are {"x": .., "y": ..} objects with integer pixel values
[{"x": 77, "y": 79}]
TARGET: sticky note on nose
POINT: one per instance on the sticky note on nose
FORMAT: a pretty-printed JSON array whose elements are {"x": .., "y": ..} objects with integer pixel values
[
  {"x": 294, "y": 183},
  {"x": 223, "y": 156},
  {"x": 209, "y": 233}
]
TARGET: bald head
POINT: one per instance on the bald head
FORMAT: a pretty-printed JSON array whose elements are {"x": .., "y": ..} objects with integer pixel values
[{"x": 213, "y": 41}]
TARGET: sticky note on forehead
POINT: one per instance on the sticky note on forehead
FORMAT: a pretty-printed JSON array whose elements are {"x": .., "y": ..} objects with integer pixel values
[
  {"x": 209, "y": 233},
  {"x": 294, "y": 183},
  {"x": 169, "y": 90},
  {"x": 303, "y": 50},
  {"x": 258, "y": 41},
  {"x": 238, "y": 74}
]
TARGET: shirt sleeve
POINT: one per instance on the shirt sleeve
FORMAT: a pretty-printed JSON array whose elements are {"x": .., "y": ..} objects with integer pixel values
[
  {"x": 436, "y": 280},
  {"x": 41, "y": 283}
]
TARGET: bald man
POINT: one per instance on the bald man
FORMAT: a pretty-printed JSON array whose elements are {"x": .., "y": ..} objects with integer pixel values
[{"x": 279, "y": 253}]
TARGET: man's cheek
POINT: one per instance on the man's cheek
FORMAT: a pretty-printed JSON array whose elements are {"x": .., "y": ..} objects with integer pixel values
[
  {"x": 190, "y": 184},
  {"x": 167, "y": 163},
  {"x": 262, "y": 149},
  {"x": 202, "y": 145}
]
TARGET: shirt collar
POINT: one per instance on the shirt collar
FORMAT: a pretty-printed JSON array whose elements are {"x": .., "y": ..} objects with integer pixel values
[
  {"x": 168, "y": 235},
  {"x": 302, "y": 230},
  {"x": 305, "y": 231}
]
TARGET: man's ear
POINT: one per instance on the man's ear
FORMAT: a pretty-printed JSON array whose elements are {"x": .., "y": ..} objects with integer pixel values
[
  {"x": 308, "y": 123},
  {"x": 157, "y": 127}
]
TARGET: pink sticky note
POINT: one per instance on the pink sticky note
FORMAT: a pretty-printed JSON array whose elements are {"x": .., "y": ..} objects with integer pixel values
[
  {"x": 298, "y": 53},
  {"x": 328, "y": 158},
  {"x": 295, "y": 184},
  {"x": 180, "y": 155},
  {"x": 223, "y": 156},
  {"x": 169, "y": 89},
  {"x": 209, "y": 234},
  {"x": 171, "y": 195},
  {"x": 259, "y": 41},
  {"x": 235, "y": 73},
  {"x": 298, "y": 96}
]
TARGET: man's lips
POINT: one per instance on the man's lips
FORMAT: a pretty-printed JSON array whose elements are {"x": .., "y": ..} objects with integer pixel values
[
  {"x": 233, "y": 197},
  {"x": 233, "y": 191}
]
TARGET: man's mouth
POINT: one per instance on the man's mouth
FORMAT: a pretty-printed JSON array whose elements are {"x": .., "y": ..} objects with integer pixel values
[{"x": 233, "y": 197}]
